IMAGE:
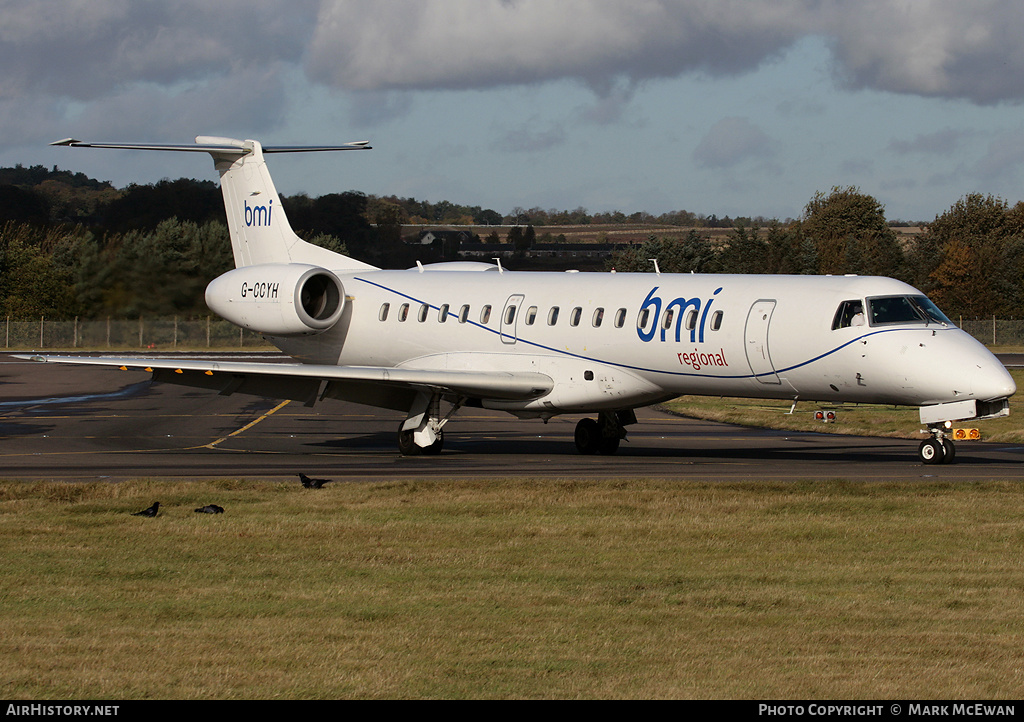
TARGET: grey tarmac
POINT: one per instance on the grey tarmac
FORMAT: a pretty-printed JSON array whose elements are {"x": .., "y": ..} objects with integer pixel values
[{"x": 75, "y": 423}]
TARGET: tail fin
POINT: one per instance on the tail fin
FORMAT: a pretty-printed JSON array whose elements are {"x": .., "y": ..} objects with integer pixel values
[{"x": 257, "y": 224}]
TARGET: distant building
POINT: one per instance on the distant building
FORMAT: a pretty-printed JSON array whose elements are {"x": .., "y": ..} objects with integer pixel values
[
  {"x": 427, "y": 238},
  {"x": 449, "y": 242}
]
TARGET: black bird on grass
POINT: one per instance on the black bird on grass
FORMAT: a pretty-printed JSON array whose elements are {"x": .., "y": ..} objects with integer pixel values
[
  {"x": 210, "y": 509},
  {"x": 151, "y": 511},
  {"x": 313, "y": 483}
]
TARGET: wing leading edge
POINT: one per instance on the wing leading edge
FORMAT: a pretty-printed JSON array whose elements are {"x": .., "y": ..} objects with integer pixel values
[{"x": 384, "y": 386}]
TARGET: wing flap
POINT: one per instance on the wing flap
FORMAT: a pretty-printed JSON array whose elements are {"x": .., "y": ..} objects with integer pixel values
[{"x": 303, "y": 381}]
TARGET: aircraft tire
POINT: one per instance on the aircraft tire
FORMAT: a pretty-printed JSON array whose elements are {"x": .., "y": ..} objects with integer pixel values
[
  {"x": 948, "y": 451},
  {"x": 931, "y": 451},
  {"x": 588, "y": 436},
  {"x": 406, "y": 445}
]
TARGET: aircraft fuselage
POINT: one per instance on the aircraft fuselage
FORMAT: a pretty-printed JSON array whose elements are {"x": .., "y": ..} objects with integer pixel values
[{"x": 618, "y": 340}]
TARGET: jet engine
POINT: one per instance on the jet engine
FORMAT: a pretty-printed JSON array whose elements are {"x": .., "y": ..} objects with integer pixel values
[{"x": 278, "y": 299}]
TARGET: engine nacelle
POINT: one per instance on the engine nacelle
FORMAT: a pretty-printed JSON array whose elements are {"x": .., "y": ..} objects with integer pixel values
[{"x": 278, "y": 299}]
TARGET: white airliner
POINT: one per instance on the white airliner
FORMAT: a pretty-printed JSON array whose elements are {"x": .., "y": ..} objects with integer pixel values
[{"x": 541, "y": 344}]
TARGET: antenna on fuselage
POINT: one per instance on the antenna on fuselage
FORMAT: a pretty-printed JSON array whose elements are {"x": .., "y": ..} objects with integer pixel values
[
  {"x": 500, "y": 269},
  {"x": 655, "y": 262}
]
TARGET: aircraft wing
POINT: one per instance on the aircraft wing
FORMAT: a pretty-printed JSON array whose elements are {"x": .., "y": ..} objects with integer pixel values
[{"x": 393, "y": 388}]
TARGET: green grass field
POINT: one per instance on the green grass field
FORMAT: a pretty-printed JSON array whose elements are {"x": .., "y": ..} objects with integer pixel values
[{"x": 513, "y": 588}]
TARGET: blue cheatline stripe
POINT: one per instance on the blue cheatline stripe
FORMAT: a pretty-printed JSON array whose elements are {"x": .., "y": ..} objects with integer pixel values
[{"x": 560, "y": 352}]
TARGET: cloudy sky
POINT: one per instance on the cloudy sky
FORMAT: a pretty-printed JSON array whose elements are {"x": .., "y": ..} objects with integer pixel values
[{"x": 727, "y": 107}]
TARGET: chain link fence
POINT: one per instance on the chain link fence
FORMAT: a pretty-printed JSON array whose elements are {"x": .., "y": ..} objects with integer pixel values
[
  {"x": 144, "y": 333},
  {"x": 993, "y": 331}
]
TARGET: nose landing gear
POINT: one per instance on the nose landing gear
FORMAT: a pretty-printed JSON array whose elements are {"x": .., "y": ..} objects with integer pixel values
[{"x": 937, "y": 450}]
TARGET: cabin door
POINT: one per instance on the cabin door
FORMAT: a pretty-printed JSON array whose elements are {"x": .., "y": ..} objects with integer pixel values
[
  {"x": 758, "y": 357},
  {"x": 510, "y": 318}
]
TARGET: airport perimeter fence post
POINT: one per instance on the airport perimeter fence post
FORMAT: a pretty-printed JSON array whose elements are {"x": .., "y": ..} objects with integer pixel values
[{"x": 995, "y": 331}]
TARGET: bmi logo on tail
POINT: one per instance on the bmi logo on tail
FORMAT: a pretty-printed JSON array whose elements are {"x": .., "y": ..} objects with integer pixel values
[{"x": 258, "y": 215}]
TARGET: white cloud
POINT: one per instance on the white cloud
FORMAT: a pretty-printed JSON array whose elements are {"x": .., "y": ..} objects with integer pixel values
[
  {"x": 82, "y": 49},
  {"x": 943, "y": 48},
  {"x": 370, "y": 44},
  {"x": 924, "y": 47},
  {"x": 128, "y": 52}
]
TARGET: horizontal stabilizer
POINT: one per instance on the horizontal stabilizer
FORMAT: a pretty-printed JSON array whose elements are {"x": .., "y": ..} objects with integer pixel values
[{"x": 221, "y": 146}]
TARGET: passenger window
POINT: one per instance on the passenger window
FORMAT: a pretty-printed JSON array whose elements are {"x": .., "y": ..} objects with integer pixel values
[
  {"x": 531, "y": 315},
  {"x": 553, "y": 316},
  {"x": 666, "y": 320},
  {"x": 716, "y": 321},
  {"x": 643, "y": 318},
  {"x": 598, "y": 317},
  {"x": 424, "y": 310},
  {"x": 464, "y": 314},
  {"x": 574, "y": 317},
  {"x": 403, "y": 312},
  {"x": 510, "y": 315},
  {"x": 620, "y": 318},
  {"x": 691, "y": 320},
  {"x": 849, "y": 313},
  {"x": 442, "y": 313},
  {"x": 485, "y": 314},
  {"x": 384, "y": 311}
]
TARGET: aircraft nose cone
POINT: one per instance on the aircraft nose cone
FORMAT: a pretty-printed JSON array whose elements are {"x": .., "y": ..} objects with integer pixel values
[
  {"x": 992, "y": 381},
  {"x": 967, "y": 369}
]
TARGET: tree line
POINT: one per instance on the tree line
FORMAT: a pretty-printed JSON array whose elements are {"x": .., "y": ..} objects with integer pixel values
[
  {"x": 969, "y": 260},
  {"x": 73, "y": 246}
]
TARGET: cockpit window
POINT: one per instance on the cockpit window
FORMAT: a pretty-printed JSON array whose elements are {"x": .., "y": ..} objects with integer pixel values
[
  {"x": 888, "y": 310},
  {"x": 849, "y": 313},
  {"x": 931, "y": 310}
]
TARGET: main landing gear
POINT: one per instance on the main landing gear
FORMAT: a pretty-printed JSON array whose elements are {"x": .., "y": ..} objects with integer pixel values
[
  {"x": 407, "y": 444},
  {"x": 602, "y": 435},
  {"x": 937, "y": 450},
  {"x": 422, "y": 433}
]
